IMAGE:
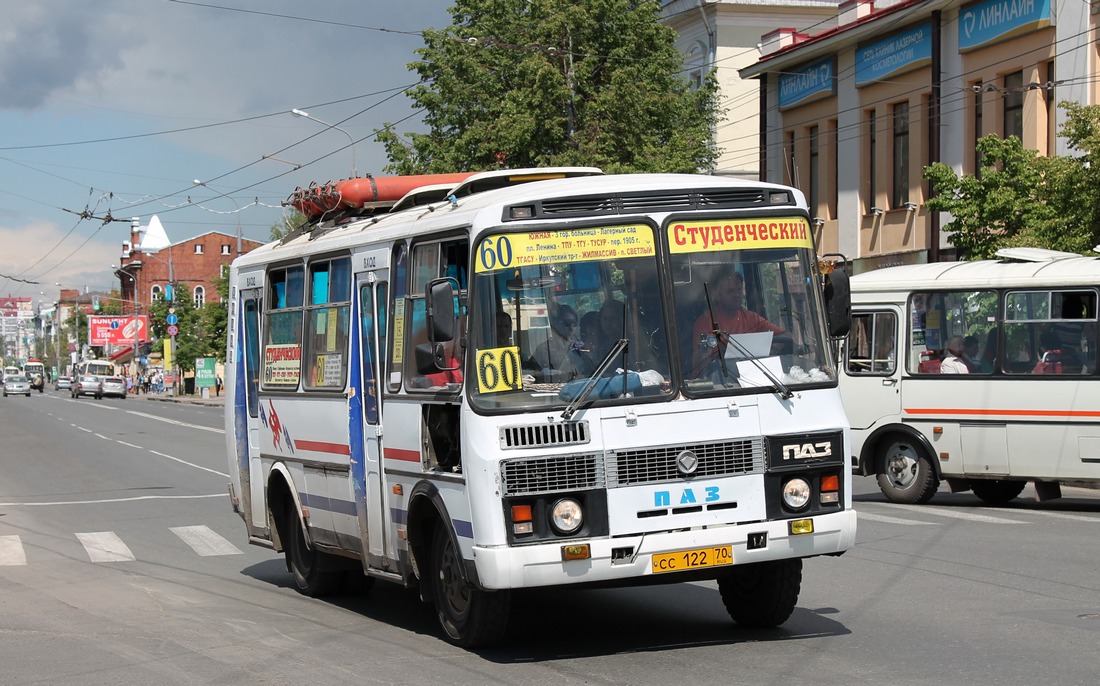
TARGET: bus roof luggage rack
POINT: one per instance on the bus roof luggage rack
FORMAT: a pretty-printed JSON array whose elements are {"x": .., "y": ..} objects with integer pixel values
[{"x": 1033, "y": 255}]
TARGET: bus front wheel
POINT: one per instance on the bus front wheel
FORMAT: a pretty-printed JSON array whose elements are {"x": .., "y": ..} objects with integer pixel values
[
  {"x": 470, "y": 617},
  {"x": 996, "y": 491},
  {"x": 905, "y": 474},
  {"x": 761, "y": 595},
  {"x": 306, "y": 564}
]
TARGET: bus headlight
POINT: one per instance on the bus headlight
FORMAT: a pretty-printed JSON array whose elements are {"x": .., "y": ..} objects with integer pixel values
[
  {"x": 796, "y": 493},
  {"x": 566, "y": 516}
]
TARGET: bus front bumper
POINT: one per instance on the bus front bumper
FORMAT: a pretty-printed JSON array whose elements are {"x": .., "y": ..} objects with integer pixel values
[{"x": 630, "y": 557}]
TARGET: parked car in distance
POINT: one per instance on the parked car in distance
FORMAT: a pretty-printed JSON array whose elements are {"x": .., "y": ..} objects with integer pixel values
[
  {"x": 114, "y": 386},
  {"x": 87, "y": 384},
  {"x": 16, "y": 384},
  {"x": 63, "y": 381}
]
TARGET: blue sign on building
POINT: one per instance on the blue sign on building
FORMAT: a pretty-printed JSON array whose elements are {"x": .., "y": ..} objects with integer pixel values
[
  {"x": 904, "y": 51},
  {"x": 989, "y": 21},
  {"x": 808, "y": 82}
]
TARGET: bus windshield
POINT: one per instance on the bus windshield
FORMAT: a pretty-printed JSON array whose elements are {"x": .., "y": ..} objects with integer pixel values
[
  {"x": 551, "y": 307},
  {"x": 746, "y": 306}
]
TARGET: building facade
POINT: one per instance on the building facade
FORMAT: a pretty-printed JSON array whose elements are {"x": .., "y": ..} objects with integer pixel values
[
  {"x": 851, "y": 113},
  {"x": 195, "y": 263}
]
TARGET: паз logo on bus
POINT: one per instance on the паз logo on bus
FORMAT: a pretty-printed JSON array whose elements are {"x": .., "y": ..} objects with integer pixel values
[{"x": 804, "y": 451}]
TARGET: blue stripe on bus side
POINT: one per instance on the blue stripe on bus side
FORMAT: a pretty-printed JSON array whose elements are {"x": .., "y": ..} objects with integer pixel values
[
  {"x": 320, "y": 502},
  {"x": 462, "y": 527}
]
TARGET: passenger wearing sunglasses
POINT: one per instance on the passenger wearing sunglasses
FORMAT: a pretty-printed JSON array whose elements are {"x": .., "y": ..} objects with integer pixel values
[{"x": 559, "y": 357}]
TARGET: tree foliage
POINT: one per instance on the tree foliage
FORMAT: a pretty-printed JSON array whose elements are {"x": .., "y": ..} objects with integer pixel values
[
  {"x": 1022, "y": 198},
  {"x": 513, "y": 83}
]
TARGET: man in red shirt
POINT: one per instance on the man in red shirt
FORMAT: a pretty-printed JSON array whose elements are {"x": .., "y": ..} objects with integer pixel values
[{"x": 726, "y": 299}]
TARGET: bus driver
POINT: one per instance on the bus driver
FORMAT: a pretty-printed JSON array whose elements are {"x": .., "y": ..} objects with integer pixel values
[{"x": 731, "y": 317}]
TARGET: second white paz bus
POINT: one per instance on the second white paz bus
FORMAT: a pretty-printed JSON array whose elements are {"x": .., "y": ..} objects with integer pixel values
[
  {"x": 542, "y": 378},
  {"x": 983, "y": 374}
]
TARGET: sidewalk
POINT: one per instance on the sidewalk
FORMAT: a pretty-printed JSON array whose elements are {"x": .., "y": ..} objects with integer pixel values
[{"x": 212, "y": 401}]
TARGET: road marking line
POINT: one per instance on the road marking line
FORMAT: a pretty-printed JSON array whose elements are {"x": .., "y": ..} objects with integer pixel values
[
  {"x": 191, "y": 464},
  {"x": 204, "y": 541},
  {"x": 176, "y": 422},
  {"x": 104, "y": 437},
  {"x": 948, "y": 512},
  {"x": 87, "y": 431},
  {"x": 1048, "y": 513},
  {"x": 105, "y": 546},
  {"x": 116, "y": 500},
  {"x": 129, "y": 445},
  {"x": 864, "y": 514},
  {"x": 11, "y": 551}
]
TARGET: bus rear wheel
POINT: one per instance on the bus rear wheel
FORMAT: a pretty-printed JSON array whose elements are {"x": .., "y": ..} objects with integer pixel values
[
  {"x": 470, "y": 617},
  {"x": 307, "y": 565},
  {"x": 905, "y": 473},
  {"x": 761, "y": 595},
  {"x": 996, "y": 491}
]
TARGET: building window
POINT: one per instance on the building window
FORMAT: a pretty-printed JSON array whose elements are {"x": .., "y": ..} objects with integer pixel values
[
  {"x": 155, "y": 293},
  {"x": 198, "y": 249},
  {"x": 1014, "y": 105},
  {"x": 199, "y": 296},
  {"x": 815, "y": 171},
  {"x": 225, "y": 249},
  {"x": 792, "y": 167},
  {"x": 901, "y": 155},
  {"x": 872, "y": 153}
]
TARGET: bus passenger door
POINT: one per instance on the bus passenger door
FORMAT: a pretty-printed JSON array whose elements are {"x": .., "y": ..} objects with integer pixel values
[
  {"x": 247, "y": 408},
  {"x": 368, "y": 480},
  {"x": 871, "y": 388}
]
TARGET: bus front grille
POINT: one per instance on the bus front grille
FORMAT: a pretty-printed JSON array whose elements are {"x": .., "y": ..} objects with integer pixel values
[
  {"x": 648, "y": 465},
  {"x": 614, "y": 469},
  {"x": 551, "y": 474},
  {"x": 544, "y": 435}
]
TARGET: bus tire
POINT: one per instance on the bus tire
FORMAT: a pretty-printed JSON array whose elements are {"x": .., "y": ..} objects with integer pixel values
[
  {"x": 905, "y": 473},
  {"x": 996, "y": 491},
  {"x": 308, "y": 565},
  {"x": 470, "y": 617},
  {"x": 761, "y": 595}
]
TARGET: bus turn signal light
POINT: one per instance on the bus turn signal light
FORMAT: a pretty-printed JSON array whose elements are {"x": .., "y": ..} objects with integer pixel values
[{"x": 830, "y": 489}]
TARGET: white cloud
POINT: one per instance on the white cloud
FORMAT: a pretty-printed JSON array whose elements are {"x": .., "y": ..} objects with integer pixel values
[{"x": 72, "y": 266}]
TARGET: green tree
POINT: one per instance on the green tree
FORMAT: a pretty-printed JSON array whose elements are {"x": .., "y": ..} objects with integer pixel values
[
  {"x": 214, "y": 320},
  {"x": 290, "y": 221},
  {"x": 189, "y": 340},
  {"x": 1022, "y": 198},
  {"x": 513, "y": 83}
]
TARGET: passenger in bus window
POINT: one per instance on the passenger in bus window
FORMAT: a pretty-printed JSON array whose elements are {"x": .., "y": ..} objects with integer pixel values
[
  {"x": 504, "y": 330},
  {"x": 970, "y": 354},
  {"x": 953, "y": 362},
  {"x": 559, "y": 357}
]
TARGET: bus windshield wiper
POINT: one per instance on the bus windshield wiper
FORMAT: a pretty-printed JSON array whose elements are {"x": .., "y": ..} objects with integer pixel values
[
  {"x": 571, "y": 408},
  {"x": 781, "y": 388}
]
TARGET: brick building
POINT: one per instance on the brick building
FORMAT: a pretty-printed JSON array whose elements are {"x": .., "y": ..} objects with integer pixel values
[{"x": 195, "y": 263}]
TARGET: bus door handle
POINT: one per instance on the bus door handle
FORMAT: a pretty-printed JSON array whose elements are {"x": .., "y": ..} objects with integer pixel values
[{"x": 890, "y": 381}]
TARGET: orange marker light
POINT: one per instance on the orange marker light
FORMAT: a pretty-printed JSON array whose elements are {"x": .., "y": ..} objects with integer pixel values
[
  {"x": 830, "y": 483},
  {"x": 521, "y": 513}
]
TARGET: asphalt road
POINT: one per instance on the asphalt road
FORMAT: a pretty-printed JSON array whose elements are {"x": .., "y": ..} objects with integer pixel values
[{"x": 121, "y": 562}]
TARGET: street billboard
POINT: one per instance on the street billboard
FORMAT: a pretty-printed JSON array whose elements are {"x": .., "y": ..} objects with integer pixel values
[
  {"x": 110, "y": 330},
  {"x": 205, "y": 374}
]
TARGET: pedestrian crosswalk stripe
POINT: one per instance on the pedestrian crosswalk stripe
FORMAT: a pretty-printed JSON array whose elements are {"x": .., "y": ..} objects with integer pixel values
[
  {"x": 11, "y": 551},
  {"x": 204, "y": 541},
  {"x": 864, "y": 514},
  {"x": 105, "y": 546},
  {"x": 954, "y": 514}
]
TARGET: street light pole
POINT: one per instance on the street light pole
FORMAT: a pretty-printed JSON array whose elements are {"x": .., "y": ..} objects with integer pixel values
[{"x": 306, "y": 115}]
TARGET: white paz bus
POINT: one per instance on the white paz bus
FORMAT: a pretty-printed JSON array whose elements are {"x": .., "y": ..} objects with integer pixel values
[
  {"x": 541, "y": 378},
  {"x": 983, "y": 374}
]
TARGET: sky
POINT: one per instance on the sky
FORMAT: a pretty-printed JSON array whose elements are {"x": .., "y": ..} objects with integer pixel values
[{"x": 116, "y": 107}]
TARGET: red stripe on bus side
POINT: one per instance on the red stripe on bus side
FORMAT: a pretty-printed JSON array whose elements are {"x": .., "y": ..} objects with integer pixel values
[
  {"x": 322, "y": 447},
  {"x": 1010, "y": 413},
  {"x": 403, "y": 455}
]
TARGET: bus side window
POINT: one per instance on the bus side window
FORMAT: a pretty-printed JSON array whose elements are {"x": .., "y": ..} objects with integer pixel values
[
  {"x": 252, "y": 356},
  {"x": 872, "y": 343}
]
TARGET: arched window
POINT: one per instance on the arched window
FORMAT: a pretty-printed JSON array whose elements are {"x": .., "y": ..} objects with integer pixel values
[
  {"x": 156, "y": 293},
  {"x": 199, "y": 296}
]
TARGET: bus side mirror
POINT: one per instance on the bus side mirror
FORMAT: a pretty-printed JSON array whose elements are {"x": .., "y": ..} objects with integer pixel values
[
  {"x": 838, "y": 303},
  {"x": 440, "y": 297}
]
